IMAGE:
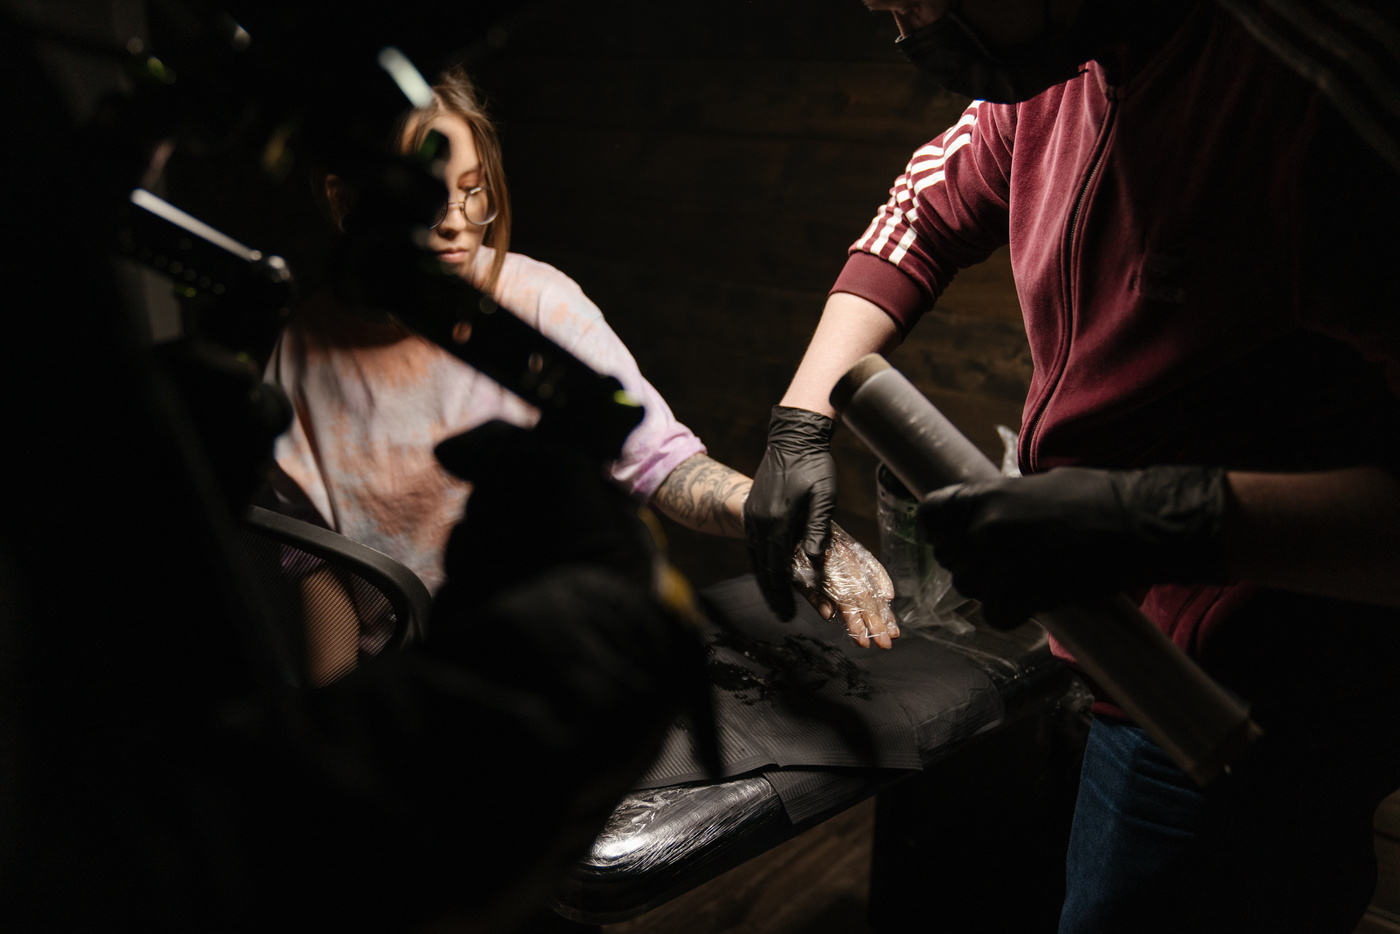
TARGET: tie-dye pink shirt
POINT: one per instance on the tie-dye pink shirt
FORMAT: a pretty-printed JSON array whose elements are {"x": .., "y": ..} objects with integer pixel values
[{"x": 371, "y": 403}]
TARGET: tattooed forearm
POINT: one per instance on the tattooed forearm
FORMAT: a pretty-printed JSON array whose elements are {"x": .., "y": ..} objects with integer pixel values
[{"x": 704, "y": 495}]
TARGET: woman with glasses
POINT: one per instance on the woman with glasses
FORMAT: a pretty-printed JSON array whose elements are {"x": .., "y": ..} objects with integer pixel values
[{"x": 372, "y": 400}]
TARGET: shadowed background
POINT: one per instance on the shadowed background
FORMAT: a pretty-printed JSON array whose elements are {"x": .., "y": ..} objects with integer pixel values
[{"x": 700, "y": 171}]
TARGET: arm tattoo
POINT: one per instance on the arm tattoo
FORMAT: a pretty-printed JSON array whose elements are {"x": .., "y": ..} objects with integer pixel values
[{"x": 704, "y": 495}]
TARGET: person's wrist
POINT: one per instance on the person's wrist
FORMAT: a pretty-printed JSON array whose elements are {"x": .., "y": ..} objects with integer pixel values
[
  {"x": 789, "y": 425},
  {"x": 1178, "y": 512}
]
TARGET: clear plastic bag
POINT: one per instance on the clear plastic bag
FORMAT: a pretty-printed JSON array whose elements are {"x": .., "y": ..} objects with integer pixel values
[
  {"x": 1009, "y": 443},
  {"x": 924, "y": 594}
]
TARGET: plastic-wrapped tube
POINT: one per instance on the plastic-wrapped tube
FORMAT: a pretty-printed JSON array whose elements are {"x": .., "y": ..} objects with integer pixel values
[{"x": 1191, "y": 717}]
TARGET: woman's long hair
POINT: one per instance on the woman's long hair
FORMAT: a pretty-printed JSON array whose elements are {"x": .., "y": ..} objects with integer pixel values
[{"x": 454, "y": 93}]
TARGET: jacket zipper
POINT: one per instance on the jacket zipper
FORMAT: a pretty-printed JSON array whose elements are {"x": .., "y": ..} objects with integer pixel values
[{"x": 1068, "y": 295}]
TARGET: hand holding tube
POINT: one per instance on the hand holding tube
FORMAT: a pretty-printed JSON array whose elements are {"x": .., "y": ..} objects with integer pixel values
[
  {"x": 1033, "y": 543},
  {"x": 1203, "y": 728}
]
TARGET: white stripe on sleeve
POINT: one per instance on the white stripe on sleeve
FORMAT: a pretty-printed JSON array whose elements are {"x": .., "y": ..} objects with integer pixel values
[{"x": 927, "y": 167}]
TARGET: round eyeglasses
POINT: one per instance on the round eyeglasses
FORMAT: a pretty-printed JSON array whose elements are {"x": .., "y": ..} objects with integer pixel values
[{"x": 478, "y": 207}]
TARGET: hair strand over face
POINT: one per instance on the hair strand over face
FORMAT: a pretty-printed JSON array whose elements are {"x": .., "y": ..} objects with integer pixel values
[{"x": 455, "y": 94}]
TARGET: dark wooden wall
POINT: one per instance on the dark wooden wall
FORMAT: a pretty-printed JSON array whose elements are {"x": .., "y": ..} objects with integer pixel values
[{"x": 701, "y": 170}]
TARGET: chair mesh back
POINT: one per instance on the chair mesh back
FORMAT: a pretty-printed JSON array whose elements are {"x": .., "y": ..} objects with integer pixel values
[{"x": 330, "y": 616}]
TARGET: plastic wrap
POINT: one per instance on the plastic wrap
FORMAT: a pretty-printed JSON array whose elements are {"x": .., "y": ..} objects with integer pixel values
[
  {"x": 1010, "y": 467},
  {"x": 924, "y": 594},
  {"x": 927, "y": 605},
  {"x": 1188, "y": 714},
  {"x": 853, "y": 582},
  {"x": 662, "y": 842},
  {"x": 948, "y": 686},
  {"x": 654, "y": 828},
  {"x": 955, "y": 678},
  {"x": 923, "y": 590}
]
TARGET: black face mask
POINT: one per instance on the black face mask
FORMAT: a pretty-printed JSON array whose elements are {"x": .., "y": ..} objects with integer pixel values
[{"x": 952, "y": 53}]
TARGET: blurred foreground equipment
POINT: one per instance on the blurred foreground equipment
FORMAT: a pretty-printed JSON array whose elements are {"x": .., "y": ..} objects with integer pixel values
[{"x": 158, "y": 769}]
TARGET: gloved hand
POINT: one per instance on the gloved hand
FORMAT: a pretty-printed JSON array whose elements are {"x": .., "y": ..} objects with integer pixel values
[
  {"x": 855, "y": 584},
  {"x": 1025, "y": 544},
  {"x": 793, "y": 495}
]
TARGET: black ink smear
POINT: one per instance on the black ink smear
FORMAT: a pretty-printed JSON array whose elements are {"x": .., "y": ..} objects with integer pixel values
[{"x": 797, "y": 663}]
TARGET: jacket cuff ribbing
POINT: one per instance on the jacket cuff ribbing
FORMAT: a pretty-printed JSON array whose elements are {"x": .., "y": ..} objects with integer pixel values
[{"x": 881, "y": 282}]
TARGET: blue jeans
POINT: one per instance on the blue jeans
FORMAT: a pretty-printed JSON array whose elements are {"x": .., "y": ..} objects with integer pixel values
[
  {"x": 1283, "y": 845},
  {"x": 1135, "y": 821}
]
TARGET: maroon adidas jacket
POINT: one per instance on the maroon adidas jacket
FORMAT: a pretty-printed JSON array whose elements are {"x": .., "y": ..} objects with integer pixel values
[{"x": 1206, "y": 260}]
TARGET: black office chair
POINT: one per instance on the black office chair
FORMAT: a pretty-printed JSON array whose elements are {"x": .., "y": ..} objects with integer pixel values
[{"x": 337, "y": 601}]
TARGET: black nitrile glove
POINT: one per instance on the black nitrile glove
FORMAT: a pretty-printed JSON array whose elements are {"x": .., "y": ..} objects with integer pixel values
[
  {"x": 793, "y": 495},
  {"x": 1025, "y": 544}
]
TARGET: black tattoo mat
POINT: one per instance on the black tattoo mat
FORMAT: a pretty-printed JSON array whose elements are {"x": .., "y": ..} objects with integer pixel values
[{"x": 792, "y": 699}]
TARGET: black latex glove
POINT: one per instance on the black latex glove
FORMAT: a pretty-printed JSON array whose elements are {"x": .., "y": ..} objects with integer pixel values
[
  {"x": 793, "y": 495},
  {"x": 1025, "y": 544}
]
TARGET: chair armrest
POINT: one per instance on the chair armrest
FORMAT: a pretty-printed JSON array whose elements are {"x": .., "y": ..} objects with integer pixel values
[{"x": 406, "y": 593}]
